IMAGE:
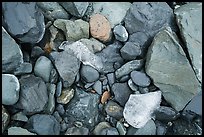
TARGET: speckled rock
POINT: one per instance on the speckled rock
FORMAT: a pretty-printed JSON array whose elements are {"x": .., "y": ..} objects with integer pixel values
[
  {"x": 66, "y": 96},
  {"x": 114, "y": 110}
]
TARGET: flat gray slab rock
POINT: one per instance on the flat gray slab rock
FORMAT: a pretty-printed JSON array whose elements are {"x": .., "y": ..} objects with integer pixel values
[
  {"x": 167, "y": 65},
  {"x": 139, "y": 108},
  {"x": 12, "y": 56},
  {"x": 189, "y": 20}
]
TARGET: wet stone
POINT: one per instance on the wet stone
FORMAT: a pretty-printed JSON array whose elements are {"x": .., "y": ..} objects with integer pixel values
[
  {"x": 19, "y": 131},
  {"x": 124, "y": 78},
  {"x": 132, "y": 86},
  {"x": 77, "y": 131},
  {"x": 111, "y": 78},
  {"x": 20, "y": 116},
  {"x": 24, "y": 68},
  {"x": 60, "y": 109},
  {"x": 58, "y": 89}
]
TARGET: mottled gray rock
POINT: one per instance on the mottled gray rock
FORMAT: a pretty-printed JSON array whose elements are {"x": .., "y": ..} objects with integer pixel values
[
  {"x": 128, "y": 67},
  {"x": 140, "y": 78},
  {"x": 113, "y": 11},
  {"x": 121, "y": 92},
  {"x": 53, "y": 76},
  {"x": 57, "y": 116},
  {"x": 67, "y": 66},
  {"x": 100, "y": 126},
  {"x": 120, "y": 33},
  {"x": 19, "y": 131},
  {"x": 134, "y": 112},
  {"x": 109, "y": 56},
  {"x": 5, "y": 118},
  {"x": 139, "y": 17},
  {"x": 98, "y": 87},
  {"x": 52, "y": 10},
  {"x": 83, "y": 54},
  {"x": 20, "y": 116},
  {"x": 93, "y": 44},
  {"x": 114, "y": 110},
  {"x": 43, "y": 67},
  {"x": 66, "y": 96},
  {"x": 51, "y": 99},
  {"x": 132, "y": 86},
  {"x": 27, "y": 24},
  {"x": 73, "y": 30},
  {"x": 189, "y": 20},
  {"x": 109, "y": 131},
  {"x": 12, "y": 56},
  {"x": 88, "y": 73},
  {"x": 84, "y": 108},
  {"x": 77, "y": 131},
  {"x": 60, "y": 109},
  {"x": 77, "y": 9},
  {"x": 24, "y": 68},
  {"x": 131, "y": 51},
  {"x": 111, "y": 78},
  {"x": 148, "y": 129},
  {"x": 58, "y": 89},
  {"x": 33, "y": 96},
  {"x": 43, "y": 124},
  {"x": 36, "y": 52},
  {"x": 10, "y": 89},
  {"x": 120, "y": 127},
  {"x": 167, "y": 65}
]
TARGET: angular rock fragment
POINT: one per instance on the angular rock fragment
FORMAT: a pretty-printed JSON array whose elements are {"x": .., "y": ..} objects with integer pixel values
[
  {"x": 89, "y": 74},
  {"x": 134, "y": 112},
  {"x": 66, "y": 96},
  {"x": 5, "y": 118},
  {"x": 20, "y": 116}
]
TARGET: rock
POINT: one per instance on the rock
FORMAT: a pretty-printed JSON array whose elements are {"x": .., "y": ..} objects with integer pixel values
[
  {"x": 109, "y": 56},
  {"x": 144, "y": 90},
  {"x": 134, "y": 112},
  {"x": 98, "y": 87},
  {"x": 98, "y": 128},
  {"x": 121, "y": 92},
  {"x": 131, "y": 51},
  {"x": 105, "y": 96},
  {"x": 52, "y": 10},
  {"x": 57, "y": 116},
  {"x": 161, "y": 128},
  {"x": 88, "y": 85},
  {"x": 59, "y": 89},
  {"x": 67, "y": 66},
  {"x": 43, "y": 67},
  {"x": 100, "y": 28},
  {"x": 43, "y": 124},
  {"x": 176, "y": 78},
  {"x": 128, "y": 67},
  {"x": 66, "y": 96},
  {"x": 191, "y": 33},
  {"x": 10, "y": 89},
  {"x": 88, "y": 73},
  {"x": 166, "y": 114},
  {"x": 114, "y": 110},
  {"x": 141, "y": 39},
  {"x": 60, "y": 109},
  {"x": 83, "y": 54},
  {"x": 120, "y": 33},
  {"x": 93, "y": 44},
  {"x": 84, "y": 108},
  {"x": 24, "y": 68},
  {"x": 140, "y": 78},
  {"x": 36, "y": 52},
  {"x": 124, "y": 78},
  {"x": 53, "y": 76},
  {"x": 19, "y": 131},
  {"x": 132, "y": 86},
  {"x": 5, "y": 118},
  {"x": 78, "y": 29},
  {"x": 77, "y": 131},
  {"x": 63, "y": 127},
  {"x": 12, "y": 56},
  {"x": 113, "y": 11},
  {"x": 20, "y": 116},
  {"x": 51, "y": 99},
  {"x": 139, "y": 17},
  {"x": 33, "y": 96},
  {"x": 109, "y": 131},
  {"x": 148, "y": 129},
  {"x": 77, "y": 9},
  {"x": 27, "y": 24},
  {"x": 121, "y": 129},
  {"x": 111, "y": 78}
]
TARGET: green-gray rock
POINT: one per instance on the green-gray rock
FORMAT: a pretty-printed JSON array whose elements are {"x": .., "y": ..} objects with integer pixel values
[
  {"x": 19, "y": 131},
  {"x": 189, "y": 20},
  {"x": 170, "y": 70},
  {"x": 20, "y": 116}
]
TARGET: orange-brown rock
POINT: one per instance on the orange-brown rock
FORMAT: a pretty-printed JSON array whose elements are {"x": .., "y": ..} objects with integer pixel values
[
  {"x": 100, "y": 27},
  {"x": 105, "y": 96}
]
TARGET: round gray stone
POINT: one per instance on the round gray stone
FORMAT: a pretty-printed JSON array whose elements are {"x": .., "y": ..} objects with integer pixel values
[
  {"x": 89, "y": 74},
  {"x": 120, "y": 33},
  {"x": 98, "y": 87},
  {"x": 140, "y": 78}
]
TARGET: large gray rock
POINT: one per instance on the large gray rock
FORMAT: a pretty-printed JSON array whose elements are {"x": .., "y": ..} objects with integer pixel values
[
  {"x": 67, "y": 66},
  {"x": 148, "y": 17},
  {"x": 19, "y": 131},
  {"x": 134, "y": 112},
  {"x": 10, "y": 89},
  {"x": 24, "y": 21},
  {"x": 43, "y": 67},
  {"x": 12, "y": 55},
  {"x": 43, "y": 124},
  {"x": 89, "y": 74},
  {"x": 33, "y": 95},
  {"x": 84, "y": 108},
  {"x": 167, "y": 65},
  {"x": 113, "y": 11},
  {"x": 73, "y": 30},
  {"x": 189, "y": 20}
]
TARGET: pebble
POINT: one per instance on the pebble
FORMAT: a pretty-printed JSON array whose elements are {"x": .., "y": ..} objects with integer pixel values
[
  {"x": 10, "y": 89},
  {"x": 120, "y": 33},
  {"x": 77, "y": 131},
  {"x": 60, "y": 109},
  {"x": 66, "y": 96},
  {"x": 132, "y": 86},
  {"x": 100, "y": 28},
  {"x": 36, "y": 52},
  {"x": 140, "y": 78},
  {"x": 98, "y": 128},
  {"x": 98, "y": 87},
  {"x": 58, "y": 89},
  {"x": 88, "y": 73},
  {"x": 57, "y": 116},
  {"x": 63, "y": 127},
  {"x": 5, "y": 118},
  {"x": 24, "y": 68},
  {"x": 124, "y": 78},
  {"x": 105, "y": 96},
  {"x": 19, "y": 131},
  {"x": 43, "y": 67},
  {"x": 121, "y": 129},
  {"x": 114, "y": 110},
  {"x": 143, "y": 90},
  {"x": 20, "y": 116},
  {"x": 111, "y": 78}
]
